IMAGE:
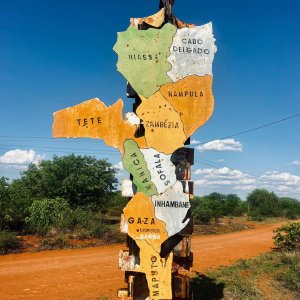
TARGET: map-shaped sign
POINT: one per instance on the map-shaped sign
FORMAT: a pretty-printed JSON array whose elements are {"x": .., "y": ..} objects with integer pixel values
[{"x": 170, "y": 69}]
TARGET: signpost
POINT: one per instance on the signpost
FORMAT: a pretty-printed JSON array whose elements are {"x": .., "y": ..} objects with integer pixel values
[{"x": 168, "y": 65}]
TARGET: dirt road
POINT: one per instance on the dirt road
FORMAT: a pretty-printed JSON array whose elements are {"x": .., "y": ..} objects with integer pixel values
[{"x": 92, "y": 273}]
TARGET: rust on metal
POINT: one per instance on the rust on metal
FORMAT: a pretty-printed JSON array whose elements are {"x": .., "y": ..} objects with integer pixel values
[
  {"x": 168, "y": 66},
  {"x": 155, "y": 20}
]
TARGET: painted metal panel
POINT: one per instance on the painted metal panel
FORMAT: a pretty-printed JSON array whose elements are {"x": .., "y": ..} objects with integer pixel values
[
  {"x": 155, "y": 20},
  {"x": 142, "y": 57},
  {"x": 161, "y": 168},
  {"x": 143, "y": 223},
  {"x": 123, "y": 295},
  {"x": 127, "y": 188},
  {"x": 128, "y": 262},
  {"x": 123, "y": 224},
  {"x": 172, "y": 207},
  {"x": 192, "y": 52},
  {"x": 169, "y": 71},
  {"x": 134, "y": 162},
  {"x": 192, "y": 97},
  {"x": 132, "y": 118},
  {"x": 163, "y": 126},
  {"x": 94, "y": 119},
  {"x": 157, "y": 270}
]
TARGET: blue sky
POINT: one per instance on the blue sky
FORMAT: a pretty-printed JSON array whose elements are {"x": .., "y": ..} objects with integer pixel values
[{"x": 55, "y": 54}]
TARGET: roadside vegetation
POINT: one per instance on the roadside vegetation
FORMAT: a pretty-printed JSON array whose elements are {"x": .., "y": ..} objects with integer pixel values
[
  {"x": 72, "y": 201},
  {"x": 274, "y": 275},
  {"x": 260, "y": 205},
  {"x": 68, "y": 198},
  {"x": 218, "y": 213}
]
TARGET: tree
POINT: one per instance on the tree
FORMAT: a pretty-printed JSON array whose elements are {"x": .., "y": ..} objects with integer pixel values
[
  {"x": 263, "y": 203},
  {"x": 4, "y": 201},
  {"x": 288, "y": 237},
  {"x": 289, "y": 207},
  {"x": 215, "y": 202},
  {"x": 81, "y": 180},
  {"x": 48, "y": 213},
  {"x": 208, "y": 207},
  {"x": 202, "y": 215},
  {"x": 233, "y": 205}
]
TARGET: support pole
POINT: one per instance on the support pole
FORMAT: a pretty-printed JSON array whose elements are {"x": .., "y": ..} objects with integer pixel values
[{"x": 168, "y": 5}]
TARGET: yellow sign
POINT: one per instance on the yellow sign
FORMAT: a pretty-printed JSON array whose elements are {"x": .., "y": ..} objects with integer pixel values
[{"x": 170, "y": 68}]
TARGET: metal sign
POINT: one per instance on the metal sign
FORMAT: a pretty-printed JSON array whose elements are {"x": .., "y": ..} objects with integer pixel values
[{"x": 170, "y": 69}]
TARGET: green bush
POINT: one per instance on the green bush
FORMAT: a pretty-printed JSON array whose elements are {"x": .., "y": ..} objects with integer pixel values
[
  {"x": 114, "y": 205},
  {"x": 57, "y": 242},
  {"x": 274, "y": 275},
  {"x": 288, "y": 237},
  {"x": 267, "y": 204},
  {"x": 46, "y": 214},
  {"x": 113, "y": 235},
  {"x": 290, "y": 279},
  {"x": 8, "y": 242},
  {"x": 84, "y": 217},
  {"x": 91, "y": 224},
  {"x": 81, "y": 180},
  {"x": 215, "y": 206},
  {"x": 255, "y": 215},
  {"x": 202, "y": 215}
]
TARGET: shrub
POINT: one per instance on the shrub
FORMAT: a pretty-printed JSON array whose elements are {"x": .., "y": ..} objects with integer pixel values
[
  {"x": 290, "y": 278},
  {"x": 113, "y": 235},
  {"x": 8, "y": 242},
  {"x": 274, "y": 275},
  {"x": 48, "y": 213},
  {"x": 114, "y": 205},
  {"x": 255, "y": 215},
  {"x": 89, "y": 223},
  {"x": 264, "y": 202},
  {"x": 92, "y": 225},
  {"x": 57, "y": 242},
  {"x": 202, "y": 215},
  {"x": 288, "y": 237}
]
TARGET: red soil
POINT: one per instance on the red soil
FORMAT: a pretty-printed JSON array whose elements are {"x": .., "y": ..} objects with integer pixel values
[{"x": 92, "y": 273}]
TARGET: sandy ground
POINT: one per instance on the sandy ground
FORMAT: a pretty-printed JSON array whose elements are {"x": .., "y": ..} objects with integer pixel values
[{"x": 92, "y": 273}]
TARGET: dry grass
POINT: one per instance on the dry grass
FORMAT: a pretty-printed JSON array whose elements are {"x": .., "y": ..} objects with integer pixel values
[{"x": 272, "y": 276}]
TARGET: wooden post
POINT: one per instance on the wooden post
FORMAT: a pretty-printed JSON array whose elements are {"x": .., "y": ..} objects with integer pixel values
[
  {"x": 180, "y": 244},
  {"x": 168, "y": 65},
  {"x": 168, "y": 5}
]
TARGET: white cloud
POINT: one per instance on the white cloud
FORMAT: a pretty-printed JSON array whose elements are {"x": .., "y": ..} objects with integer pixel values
[
  {"x": 223, "y": 177},
  {"x": 195, "y": 142},
  {"x": 118, "y": 166},
  {"x": 271, "y": 172},
  {"x": 9, "y": 168},
  {"x": 21, "y": 157},
  {"x": 201, "y": 182},
  {"x": 284, "y": 189},
  {"x": 224, "y": 172},
  {"x": 246, "y": 181},
  {"x": 245, "y": 187},
  {"x": 121, "y": 173},
  {"x": 220, "y": 182},
  {"x": 221, "y": 160},
  {"x": 227, "y": 179},
  {"x": 295, "y": 163},
  {"x": 222, "y": 145},
  {"x": 206, "y": 182},
  {"x": 277, "y": 178}
]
